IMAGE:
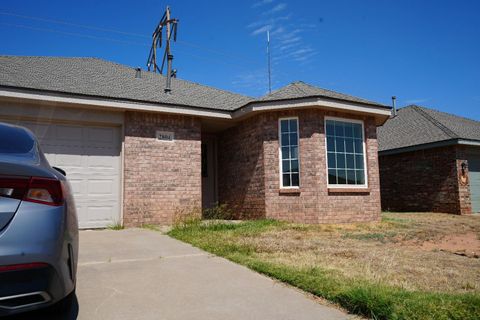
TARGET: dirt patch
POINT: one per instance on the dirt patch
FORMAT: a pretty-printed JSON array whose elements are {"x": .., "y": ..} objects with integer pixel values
[{"x": 467, "y": 244}]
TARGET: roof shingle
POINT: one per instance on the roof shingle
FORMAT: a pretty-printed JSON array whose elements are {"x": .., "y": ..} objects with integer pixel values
[
  {"x": 415, "y": 125},
  {"x": 301, "y": 89},
  {"x": 101, "y": 78}
]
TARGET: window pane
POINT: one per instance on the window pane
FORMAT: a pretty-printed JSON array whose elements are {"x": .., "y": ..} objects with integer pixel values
[
  {"x": 286, "y": 180},
  {"x": 349, "y": 145},
  {"x": 342, "y": 176},
  {"x": 285, "y": 153},
  {"x": 359, "y": 162},
  {"x": 345, "y": 152},
  {"x": 357, "y": 130},
  {"x": 339, "y": 129},
  {"x": 331, "y": 160},
  {"x": 295, "y": 180},
  {"x": 350, "y": 161},
  {"x": 293, "y": 125},
  {"x": 285, "y": 139},
  {"x": 331, "y": 144},
  {"x": 351, "y": 176},
  {"x": 293, "y": 139},
  {"x": 360, "y": 176},
  {"x": 358, "y": 146},
  {"x": 348, "y": 130},
  {"x": 284, "y": 125},
  {"x": 330, "y": 128},
  {"x": 286, "y": 166},
  {"x": 332, "y": 176},
  {"x": 340, "y": 144},
  {"x": 340, "y": 160},
  {"x": 294, "y": 152},
  {"x": 294, "y": 165}
]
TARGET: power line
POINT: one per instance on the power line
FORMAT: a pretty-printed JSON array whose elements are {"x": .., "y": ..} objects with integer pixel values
[
  {"x": 73, "y": 34},
  {"x": 120, "y": 32},
  {"x": 119, "y": 41}
]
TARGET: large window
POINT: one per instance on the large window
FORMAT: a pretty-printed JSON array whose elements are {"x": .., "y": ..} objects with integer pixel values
[
  {"x": 289, "y": 169},
  {"x": 345, "y": 153}
]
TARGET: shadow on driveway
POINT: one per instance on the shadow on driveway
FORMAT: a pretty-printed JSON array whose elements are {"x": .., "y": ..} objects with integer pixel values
[{"x": 51, "y": 313}]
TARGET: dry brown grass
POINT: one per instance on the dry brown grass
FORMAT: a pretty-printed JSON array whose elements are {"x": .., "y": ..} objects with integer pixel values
[{"x": 391, "y": 252}]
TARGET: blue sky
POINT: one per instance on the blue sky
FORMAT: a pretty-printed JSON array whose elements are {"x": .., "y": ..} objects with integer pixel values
[{"x": 424, "y": 52}]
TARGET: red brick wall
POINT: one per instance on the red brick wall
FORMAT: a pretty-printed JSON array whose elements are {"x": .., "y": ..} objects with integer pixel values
[
  {"x": 424, "y": 180},
  {"x": 240, "y": 169},
  {"x": 314, "y": 203},
  {"x": 160, "y": 178},
  {"x": 249, "y": 172}
]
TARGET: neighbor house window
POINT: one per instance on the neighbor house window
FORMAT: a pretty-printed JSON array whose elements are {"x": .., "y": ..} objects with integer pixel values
[
  {"x": 289, "y": 169},
  {"x": 345, "y": 153}
]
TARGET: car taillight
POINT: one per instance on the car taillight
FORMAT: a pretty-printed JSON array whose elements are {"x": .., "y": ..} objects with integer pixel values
[
  {"x": 34, "y": 189},
  {"x": 23, "y": 266}
]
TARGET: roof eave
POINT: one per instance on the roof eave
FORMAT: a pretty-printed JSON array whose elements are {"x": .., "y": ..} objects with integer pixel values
[
  {"x": 381, "y": 113},
  {"x": 430, "y": 145}
]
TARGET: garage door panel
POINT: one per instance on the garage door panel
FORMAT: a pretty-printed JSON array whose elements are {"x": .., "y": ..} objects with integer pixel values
[
  {"x": 90, "y": 155},
  {"x": 474, "y": 175}
]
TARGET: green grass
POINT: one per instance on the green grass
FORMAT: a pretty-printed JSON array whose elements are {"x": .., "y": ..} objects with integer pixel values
[
  {"x": 368, "y": 298},
  {"x": 115, "y": 226}
]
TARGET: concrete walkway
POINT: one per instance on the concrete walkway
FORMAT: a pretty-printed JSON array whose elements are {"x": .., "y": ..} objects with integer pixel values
[{"x": 142, "y": 274}]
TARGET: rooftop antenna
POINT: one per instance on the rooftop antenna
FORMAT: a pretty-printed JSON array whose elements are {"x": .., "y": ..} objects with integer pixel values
[
  {"x": 269, "y": 64},
  {"x": 394, "y": 106},
  {"x": 170, "y": 25}
]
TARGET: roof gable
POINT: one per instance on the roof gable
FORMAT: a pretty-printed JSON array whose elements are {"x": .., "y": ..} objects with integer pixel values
[{"x": 300, "y": 89}]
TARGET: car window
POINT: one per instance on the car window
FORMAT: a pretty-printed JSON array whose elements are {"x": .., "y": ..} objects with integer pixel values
[{"x": 15, "y": 140}]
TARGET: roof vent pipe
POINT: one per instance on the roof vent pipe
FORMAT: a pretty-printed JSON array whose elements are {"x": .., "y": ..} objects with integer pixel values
[
  {"x": 138, "y": 73},
  {"x": 394, "y": 106}
]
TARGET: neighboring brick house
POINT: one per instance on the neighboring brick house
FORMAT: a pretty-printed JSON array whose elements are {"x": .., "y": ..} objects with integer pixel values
[
  {"x": 135, "y": 154},
  {"x": 429, "y": 161}
]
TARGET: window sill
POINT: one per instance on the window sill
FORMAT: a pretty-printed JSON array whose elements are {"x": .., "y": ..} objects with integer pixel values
[
  {"x": 289, "y": 191},
  {"x": 349, "y": 190}
]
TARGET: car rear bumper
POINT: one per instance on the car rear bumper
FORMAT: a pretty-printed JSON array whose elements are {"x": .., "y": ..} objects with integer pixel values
[{"x": 23, "y": 290}]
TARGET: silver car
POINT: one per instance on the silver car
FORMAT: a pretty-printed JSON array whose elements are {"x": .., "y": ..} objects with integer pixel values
[{"x": 38, "y": 227}]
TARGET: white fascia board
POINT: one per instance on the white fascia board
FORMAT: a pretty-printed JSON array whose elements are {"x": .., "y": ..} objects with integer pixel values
[
  {"x": 199, "y": 112},
  {"x": 310, "y": 103},
  {"x": 469, "y": 142},
  {"x": 118, "y": 105}
]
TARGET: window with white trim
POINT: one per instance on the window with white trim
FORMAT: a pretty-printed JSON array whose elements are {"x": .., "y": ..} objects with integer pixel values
[
  {"x": 345, "y": 153},
  {"x": 289, "y": 164}
]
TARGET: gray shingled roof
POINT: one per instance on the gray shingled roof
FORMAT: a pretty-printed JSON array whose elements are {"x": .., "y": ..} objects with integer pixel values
[
  {"x": 415, "y": 125},
  {"x": 301, "y": 89},
  {"x": 97, "y": 77},
  {"x": 101, "y": 78}
]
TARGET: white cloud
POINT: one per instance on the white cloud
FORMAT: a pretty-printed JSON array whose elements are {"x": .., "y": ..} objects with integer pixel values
[
  {"x": 261, "y": 3},
  {"x": 278, "y": 7},
  {"x": 261, "y": 30}
]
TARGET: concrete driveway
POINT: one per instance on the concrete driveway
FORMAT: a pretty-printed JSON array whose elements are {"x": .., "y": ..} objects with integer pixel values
[{"x": 142, "y": 274}]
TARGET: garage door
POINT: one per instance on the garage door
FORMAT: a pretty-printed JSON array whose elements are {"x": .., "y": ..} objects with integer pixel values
[
  {"x": 91, "y": 157},
  {"x": 474, "y": 176}
]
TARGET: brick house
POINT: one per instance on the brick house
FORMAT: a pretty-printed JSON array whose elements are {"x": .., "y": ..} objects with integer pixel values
[
  {"x": 429, "y": 161},
  {"x": 135, "y": 154}
]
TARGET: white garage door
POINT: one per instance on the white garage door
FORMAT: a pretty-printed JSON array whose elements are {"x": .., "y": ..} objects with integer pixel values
[{"x": 90, "y": 155}]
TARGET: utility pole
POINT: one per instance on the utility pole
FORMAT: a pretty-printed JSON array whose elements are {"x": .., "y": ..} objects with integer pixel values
[
  {"x": 157, "y": 37},
  {"x": 269, "y": 65}
]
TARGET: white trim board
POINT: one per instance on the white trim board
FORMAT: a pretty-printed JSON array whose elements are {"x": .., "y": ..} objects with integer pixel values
[{"x": 381, "y": 114}]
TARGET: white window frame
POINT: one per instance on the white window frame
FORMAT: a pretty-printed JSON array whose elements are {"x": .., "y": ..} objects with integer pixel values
[
  {"x": 280, "y": 167},
  {"x": 365, "y": 165}
]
